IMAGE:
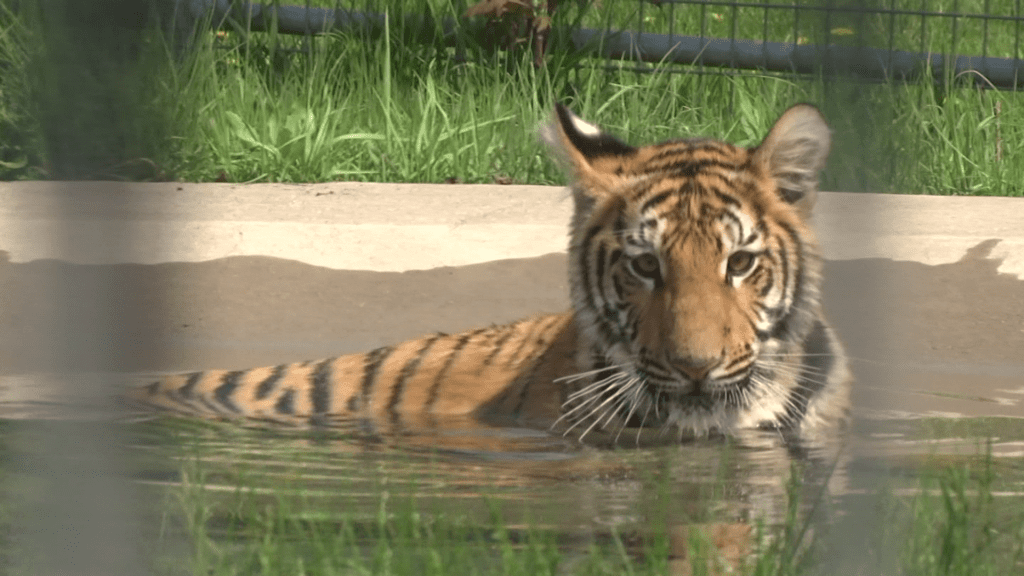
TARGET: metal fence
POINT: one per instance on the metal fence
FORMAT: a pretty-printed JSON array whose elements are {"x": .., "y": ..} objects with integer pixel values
[{"x": 895, "y": 40}]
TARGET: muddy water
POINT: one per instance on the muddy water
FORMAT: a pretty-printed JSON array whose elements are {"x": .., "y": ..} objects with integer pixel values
[{"x": 937, "y": 351}]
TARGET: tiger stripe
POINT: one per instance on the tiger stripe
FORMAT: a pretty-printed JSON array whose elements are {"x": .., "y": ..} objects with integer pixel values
[
  {"x": 224, "y": 392},
  {"x": 285, "y": 405},
  {"x": 408, "y": 371},
  {"x": 267, "y": 385},
  {"x": 371, "y": 369},
  {"x": 320, "y": 394},
  {"x": 442, "y": 374}
]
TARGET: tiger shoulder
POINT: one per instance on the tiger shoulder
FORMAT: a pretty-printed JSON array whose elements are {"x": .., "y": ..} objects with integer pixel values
[{"x": 695, "y": 282}]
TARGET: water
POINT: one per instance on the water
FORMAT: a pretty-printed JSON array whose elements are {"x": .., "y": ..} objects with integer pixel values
[
  {"x": 231, "y": 476},
  {"x": 940, "y": 381}
]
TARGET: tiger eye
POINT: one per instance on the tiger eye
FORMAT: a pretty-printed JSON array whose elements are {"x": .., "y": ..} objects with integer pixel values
[
  {"x": 740, "y": 263},
  {"x": 646, "y": 266}
]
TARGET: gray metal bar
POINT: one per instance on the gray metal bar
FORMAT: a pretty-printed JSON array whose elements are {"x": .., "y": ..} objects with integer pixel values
[
  {"x": 290, "y": 19},
  {"x": 872, "y": 63}
]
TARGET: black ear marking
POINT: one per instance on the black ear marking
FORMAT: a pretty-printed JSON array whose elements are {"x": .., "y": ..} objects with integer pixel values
[{"x": 590, "y": 145}]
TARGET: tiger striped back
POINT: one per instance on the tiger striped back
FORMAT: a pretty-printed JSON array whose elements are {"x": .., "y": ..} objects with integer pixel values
[{"x": 695, "y": 307}]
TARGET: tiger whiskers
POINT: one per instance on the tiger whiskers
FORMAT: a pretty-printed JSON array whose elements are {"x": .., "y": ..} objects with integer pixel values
[
  {"x": 783, "y": 364},
  {"x": 786, "y": 366},
  {"x": 600, "y": 401},
  {"x": 635, "y": 402},
  {"x": 581, "y": 375},
  {"x": 611, "y": 411},
  {"x": 771, "y": 387},
  {"x": 803, "y": 377}
]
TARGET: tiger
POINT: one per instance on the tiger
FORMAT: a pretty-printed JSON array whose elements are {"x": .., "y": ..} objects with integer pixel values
[{"x": 695, "y": 287}]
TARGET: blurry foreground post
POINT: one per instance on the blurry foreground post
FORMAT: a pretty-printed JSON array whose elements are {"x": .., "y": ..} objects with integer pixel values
[
  {"x": 80, "y": 515},
  {"x": 864, "y": 154}
]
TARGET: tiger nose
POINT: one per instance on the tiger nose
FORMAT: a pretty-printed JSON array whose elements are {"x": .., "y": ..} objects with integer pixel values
[{"x": 695, "y": 367}]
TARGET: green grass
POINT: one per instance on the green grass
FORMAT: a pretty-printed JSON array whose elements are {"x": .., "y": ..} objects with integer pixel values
[
  {"x": 21, "y": 143},
  {"x": 235, "y": 501},
  {"x": 952, "y": 525},
  {"x": 957, "y": 526},
  {"x": 402, "y": 104}
]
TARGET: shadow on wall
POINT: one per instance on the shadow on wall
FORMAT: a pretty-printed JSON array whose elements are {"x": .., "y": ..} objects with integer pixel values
[
  {"x": 965, "y": 310},
  {"x": 251, "y": 311}
]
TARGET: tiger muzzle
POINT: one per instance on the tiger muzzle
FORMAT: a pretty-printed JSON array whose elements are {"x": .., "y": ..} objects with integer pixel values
[{"x": 695, "y": 368}]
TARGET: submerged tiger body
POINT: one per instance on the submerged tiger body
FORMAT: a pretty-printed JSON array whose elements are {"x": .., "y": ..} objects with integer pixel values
[{"x": 695, "y": 307}]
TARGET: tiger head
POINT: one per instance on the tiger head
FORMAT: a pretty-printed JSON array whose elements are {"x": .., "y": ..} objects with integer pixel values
[{"x": 694, "y": 274}]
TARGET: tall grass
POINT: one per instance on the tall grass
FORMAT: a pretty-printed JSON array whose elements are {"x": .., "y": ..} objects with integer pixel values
[
  {"x": 21, "y": 146},
  {"x": 403, "y": 104},
  {"x": 957, "y": 524}
]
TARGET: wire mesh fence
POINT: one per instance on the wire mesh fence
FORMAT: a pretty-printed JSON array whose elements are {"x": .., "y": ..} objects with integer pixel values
[
  {"x": 978, "y": 40},
  {"x": 923, "y": 65}
]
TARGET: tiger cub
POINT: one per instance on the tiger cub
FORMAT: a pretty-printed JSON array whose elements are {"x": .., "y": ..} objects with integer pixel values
[{"x": 695, "y": 283}]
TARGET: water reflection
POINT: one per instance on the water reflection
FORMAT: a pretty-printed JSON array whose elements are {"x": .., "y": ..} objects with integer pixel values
[
  {"x": 551, "y": 481},
  {"x": 343, "y": 472}
]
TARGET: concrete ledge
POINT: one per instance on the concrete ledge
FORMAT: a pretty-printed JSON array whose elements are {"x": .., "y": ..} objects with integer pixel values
[{"x": 396, "y": 227}]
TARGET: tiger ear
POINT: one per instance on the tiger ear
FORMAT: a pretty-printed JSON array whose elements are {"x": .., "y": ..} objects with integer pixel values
[
  {"x": 794, "y": 152},
  {"x": 594, "y": 159}
]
